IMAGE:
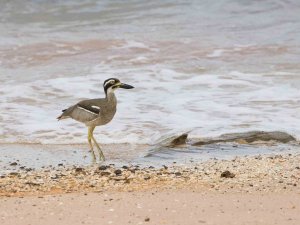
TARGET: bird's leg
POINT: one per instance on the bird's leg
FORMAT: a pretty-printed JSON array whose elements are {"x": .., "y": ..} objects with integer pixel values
[
  {"x": 90, "y": 134},
  {"x": 101, "y": 155}
]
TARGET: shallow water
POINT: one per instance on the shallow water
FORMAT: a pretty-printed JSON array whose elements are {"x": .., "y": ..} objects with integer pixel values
[
  {"x": 16, "y": 157},
  {"x": 209, "y": 68}
]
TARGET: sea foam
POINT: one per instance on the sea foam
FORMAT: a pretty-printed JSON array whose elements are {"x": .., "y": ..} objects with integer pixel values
[{"x": 164, "y": 100}]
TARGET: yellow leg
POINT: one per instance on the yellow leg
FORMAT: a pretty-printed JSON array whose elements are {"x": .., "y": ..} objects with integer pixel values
[
  {"x": 90, "y": 134},
  {"x": 101, "y": 155}
]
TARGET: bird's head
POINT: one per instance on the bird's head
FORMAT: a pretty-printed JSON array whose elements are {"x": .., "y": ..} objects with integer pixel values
[{"x": 112, "y": 84}]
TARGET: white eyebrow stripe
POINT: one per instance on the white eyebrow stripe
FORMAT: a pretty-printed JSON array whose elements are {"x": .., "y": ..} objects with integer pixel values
[
  {"x": 95, "y": 107},
  {"x": 87, "y": 110},
  {"x": 107, "y": 82}
]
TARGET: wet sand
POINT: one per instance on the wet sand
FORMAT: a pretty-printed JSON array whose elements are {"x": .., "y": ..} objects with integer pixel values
[
  {"x": 244, "y": 190},
  {"x": 18, "y": 156}
]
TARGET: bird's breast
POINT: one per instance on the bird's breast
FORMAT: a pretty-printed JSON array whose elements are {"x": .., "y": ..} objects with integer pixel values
[{"x": 107, "y": 114}]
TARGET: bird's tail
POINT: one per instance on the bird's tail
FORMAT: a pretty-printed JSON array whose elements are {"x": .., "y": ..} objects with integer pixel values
[
  {"x": 59, "y": 118},
  {"x": 62, "y": 116}
]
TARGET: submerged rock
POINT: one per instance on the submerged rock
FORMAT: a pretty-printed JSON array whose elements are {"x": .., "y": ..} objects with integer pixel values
[
  {"x": 174, "y": 141},
  {"x": 249, "y": 137}
]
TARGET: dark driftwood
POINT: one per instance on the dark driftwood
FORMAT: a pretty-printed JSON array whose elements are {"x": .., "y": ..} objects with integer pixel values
[{"x": 249, "y": 137}]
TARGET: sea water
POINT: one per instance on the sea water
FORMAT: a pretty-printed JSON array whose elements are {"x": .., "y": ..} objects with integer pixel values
[{"x": 208, "y": 67}]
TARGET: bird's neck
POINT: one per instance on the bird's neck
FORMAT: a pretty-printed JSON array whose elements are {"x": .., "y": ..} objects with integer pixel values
[{"x": 110, "y": 97}]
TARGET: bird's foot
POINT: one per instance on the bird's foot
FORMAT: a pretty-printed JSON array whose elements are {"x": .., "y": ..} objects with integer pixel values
[
  {"x": 101, "y": 157},
  {"x": 93, "y": 156}
]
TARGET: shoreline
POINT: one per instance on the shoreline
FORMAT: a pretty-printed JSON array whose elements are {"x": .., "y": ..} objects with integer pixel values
[
  {"x": 17, "y": 157},
  {"x": 268, "y": 173}
]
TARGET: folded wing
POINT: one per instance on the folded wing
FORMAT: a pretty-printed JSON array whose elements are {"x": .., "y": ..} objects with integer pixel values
[{"x": 83, "y": 111}]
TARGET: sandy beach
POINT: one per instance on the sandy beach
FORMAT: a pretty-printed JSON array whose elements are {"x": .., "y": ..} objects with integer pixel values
[
  {"x": 245, "y": 190},
  {"x": 180, "y": 207}
]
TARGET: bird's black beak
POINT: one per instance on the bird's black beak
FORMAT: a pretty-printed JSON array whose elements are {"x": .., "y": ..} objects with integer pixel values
[{"x": 125, "y": 86}]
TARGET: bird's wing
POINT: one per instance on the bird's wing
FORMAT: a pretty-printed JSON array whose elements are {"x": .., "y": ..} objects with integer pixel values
[
  {"x": 84, "y": 111},
  {"x": 87, "y": 110},
  {"x": 92, "y": 105}
]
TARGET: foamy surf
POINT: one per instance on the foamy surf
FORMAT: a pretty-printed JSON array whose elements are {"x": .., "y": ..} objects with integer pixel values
[{"x": 164, "y": 100}]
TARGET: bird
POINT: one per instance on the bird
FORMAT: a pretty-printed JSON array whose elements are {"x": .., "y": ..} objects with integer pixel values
[{"x": 96, "y": 112}]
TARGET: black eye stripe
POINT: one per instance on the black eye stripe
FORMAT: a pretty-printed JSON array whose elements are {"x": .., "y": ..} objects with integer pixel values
[{"x": 110, "y": 83}]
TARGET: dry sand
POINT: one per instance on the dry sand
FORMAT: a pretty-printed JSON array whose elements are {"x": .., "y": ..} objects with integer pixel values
[
  {"x": 159, "y": 207},
  {"x": 246, "y": 190}
]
